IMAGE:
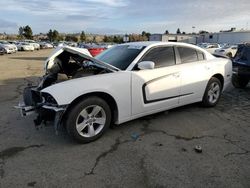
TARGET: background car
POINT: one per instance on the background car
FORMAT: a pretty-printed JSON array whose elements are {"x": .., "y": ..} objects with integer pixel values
[
  {"x": 33, "y": 43},
  {"x": 2, "y": 50},
  {"x": 9, "y": 48},
  {"x": 125, "y": 82},
  {"x": 46, "y": 45},
  {"x": 94, "y": 49},
  {"x": 229, "y": 50},
  {"x": 24, "y": 46},
  {"x": 210, "y": 47},
  {"x": 241, "y": 66}
]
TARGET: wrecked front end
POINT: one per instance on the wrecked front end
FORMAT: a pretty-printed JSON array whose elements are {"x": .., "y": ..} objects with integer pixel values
[
  {"x": 43, "y": 104},
  {"x": 64, "y": 64}
]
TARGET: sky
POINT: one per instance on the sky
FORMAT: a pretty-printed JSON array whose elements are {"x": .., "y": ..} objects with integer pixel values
[{"x": 123, "y": 16}]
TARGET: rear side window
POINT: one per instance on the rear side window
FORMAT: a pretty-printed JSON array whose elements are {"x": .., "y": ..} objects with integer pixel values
[
  {"x": 161, "y": 56},
  {"x": 188, "y": 55}
]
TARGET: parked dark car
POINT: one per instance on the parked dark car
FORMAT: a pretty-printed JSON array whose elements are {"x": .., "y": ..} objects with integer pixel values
[
  {"x": 2, "y": 50},
  {"x": 241, "y": 66}
]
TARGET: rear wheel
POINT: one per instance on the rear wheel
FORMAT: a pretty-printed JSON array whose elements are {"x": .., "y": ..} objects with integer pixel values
[
  {"x": 239, "y": 82},
  {"x": 212, "y": 93},
  {"x": 88, "y": 120}
]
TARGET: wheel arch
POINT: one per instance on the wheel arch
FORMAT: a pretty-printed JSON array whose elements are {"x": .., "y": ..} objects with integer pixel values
[
  {"x": 219, "y": 77},
  {"x": 105, "y": 96}
]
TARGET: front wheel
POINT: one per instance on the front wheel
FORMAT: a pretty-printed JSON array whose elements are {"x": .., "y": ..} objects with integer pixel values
[
  {"x": 88, "y": 120},
  {"x": 212, "y": 93}
]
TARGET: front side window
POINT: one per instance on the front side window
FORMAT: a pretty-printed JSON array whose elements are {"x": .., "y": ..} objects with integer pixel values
[{"x": 161, "y": 56}]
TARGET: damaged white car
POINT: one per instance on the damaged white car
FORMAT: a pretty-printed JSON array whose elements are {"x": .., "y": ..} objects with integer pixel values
[{"x": 125, "y": 82}]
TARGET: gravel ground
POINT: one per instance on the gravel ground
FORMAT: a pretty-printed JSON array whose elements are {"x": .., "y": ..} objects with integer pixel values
[{"x": 154, "y": 151}]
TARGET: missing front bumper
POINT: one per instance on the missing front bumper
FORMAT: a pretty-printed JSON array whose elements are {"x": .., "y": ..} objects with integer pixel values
[{"x": 44, "y": 113}]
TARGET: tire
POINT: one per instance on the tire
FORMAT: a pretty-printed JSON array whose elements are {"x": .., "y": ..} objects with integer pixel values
[
  {"x": 22, "y": 49},
  {"x": 239, "y": 82},
  {"x": 212, "y": 93},
  {"x": 88, "y": 119}
]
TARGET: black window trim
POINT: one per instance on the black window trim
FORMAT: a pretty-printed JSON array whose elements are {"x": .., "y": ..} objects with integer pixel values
[
  {"x": 150, "y": 49},
  {"x": 179, "y": 57}
]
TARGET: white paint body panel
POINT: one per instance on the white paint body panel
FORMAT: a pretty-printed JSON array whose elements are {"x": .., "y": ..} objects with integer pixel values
[{"x": 126, "y": 87}]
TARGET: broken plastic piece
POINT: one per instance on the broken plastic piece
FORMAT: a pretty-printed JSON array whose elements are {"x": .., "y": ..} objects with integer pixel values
[{"x": 198, "y": 149}]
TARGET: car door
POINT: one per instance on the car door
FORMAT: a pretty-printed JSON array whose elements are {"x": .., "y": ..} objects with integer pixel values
[
  {"x": 158, "y": 88},
  {"x": 195, "y": 72}
]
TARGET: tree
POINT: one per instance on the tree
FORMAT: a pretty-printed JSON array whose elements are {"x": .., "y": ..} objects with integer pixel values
[
  {"x": 27, "y": 32},
  {"x": 203, "y": 32},
  {"x": 55, "y": 35},
  {"x": 20, "y": 32},
  {"x": 50, "y": 35},
  {"x": 145, "y": 35},
  {"x": 71, "y": 38},
  {"x": 166, "y": 32},
  {"x": 106, "y": 39},
  {"x": 178, "y": 31},
  {"x": 83, "y": 37},
  {"x": 183, "y": 32}
]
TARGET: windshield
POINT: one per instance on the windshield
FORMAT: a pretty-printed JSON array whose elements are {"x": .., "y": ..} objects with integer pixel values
[{"x": 120, "y": 56}]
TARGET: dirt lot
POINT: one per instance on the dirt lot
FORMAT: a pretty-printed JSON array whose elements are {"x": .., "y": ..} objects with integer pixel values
[{"x": 162, "y": 156}]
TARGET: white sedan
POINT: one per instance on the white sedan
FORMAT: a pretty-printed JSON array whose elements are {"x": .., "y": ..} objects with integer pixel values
[
  {"x": 123, "y": 83},
  {"x": 228, "y": 50},
  {"x": 24, "y": 46}
]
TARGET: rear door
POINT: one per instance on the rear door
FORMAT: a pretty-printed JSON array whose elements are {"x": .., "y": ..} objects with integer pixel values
[{"x": 195, "y": 73}]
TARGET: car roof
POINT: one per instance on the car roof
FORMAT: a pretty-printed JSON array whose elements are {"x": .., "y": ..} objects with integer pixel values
[{"x": 156, "y": 43}]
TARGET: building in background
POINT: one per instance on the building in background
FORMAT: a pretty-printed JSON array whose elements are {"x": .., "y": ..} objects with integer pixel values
[
  {"x": 230, "y": 37},
  {"x": 192, "y": 39}
]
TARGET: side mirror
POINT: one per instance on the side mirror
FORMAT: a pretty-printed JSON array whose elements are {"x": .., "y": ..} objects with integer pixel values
[{"x": 144, "y": 65}]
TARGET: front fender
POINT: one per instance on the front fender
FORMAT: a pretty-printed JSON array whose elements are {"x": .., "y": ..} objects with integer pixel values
[{"x": 117, "y": 85}]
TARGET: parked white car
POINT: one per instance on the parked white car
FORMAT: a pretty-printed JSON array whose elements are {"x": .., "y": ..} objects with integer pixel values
[
  {"x": 123, "y": 83},
  {"x": 33, "y": 43},
  {"x": 9, "y": 48},
  {"x": 45, "y": 45},
  {"x": 24, "y": 46},
  {"x": 210, "y": 47},
  {"x": 229, "y": 50}
]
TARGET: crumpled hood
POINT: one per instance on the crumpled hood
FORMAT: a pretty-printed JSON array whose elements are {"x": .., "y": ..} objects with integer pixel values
[{"x": 79, "y": 51}]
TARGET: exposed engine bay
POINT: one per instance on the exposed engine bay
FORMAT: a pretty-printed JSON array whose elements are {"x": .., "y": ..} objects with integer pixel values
[{"x": 70, "y": 66}]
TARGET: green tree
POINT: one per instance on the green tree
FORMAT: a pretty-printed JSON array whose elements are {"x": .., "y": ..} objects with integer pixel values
[
  {"x": 71, "y": 38},
  {"x": 55, "y": 35},
  {"x": 27, "y": 32},
  {"x": 178, "y": 31},
  {"x": 82, "y": 37},
  {"x": 20, "y": 32},
  {"x": 106, "y": 39},
  {"x": 166, "y": 32},
  {"x": 50, "y": 35}
]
